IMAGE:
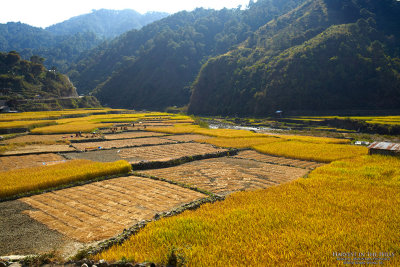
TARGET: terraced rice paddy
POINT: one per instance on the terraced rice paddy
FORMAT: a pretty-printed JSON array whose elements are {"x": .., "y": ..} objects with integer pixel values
[
  {"x": 130, "y": 135},
  {"x": 187, "y": 137},
  {"x": 226, "y": 175},
  {"x": 253, "y": 155},
  {"x": 101, "y": 210},
  {"x": 168, "y": 152},
  {"x": 37, "y": 149},
  {"x": 20, "y": 162},
  {"x": 280, "y": 225},
  {"x": 38, "y": 139},
  {"x": 121, "y": 143},
  {"x": 148, "y": 153}
]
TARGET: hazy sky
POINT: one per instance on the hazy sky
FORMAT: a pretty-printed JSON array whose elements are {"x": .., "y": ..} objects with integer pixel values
[{"x": 43, "y": 13}]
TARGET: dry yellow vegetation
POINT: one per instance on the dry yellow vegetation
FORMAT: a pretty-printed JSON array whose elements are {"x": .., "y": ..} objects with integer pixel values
[
  {"x": 239, "y": 142},
  {"x": 311, "y": 151},
  {"x": 40, "y": 115},
  {"x": 37, "y": 178},
  {"x": 91, "y": 122},
  {"x": 73, "y": 127},
  {"x": 390, "y": 120},
  {"x": 25, "y": 124},
  {"x": 349, "y": 206},
  {"x": 313, "y": 139},
  {"x": 195, "y": 129}
]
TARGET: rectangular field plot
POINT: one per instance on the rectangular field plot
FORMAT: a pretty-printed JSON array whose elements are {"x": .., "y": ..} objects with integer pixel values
[
  {"x": 253, "y": 155},
  {"x": 147, "y": 153},
  {"x": 225, "y": 175},
  {"x": 121, "y": 143},
  {"x": 104, "y": 209},
  {"x": 186, "y": 137},
  {"x": 32, "y": 138},
  {"x": 32, "y": 149},
  {"x": 167, "y": 152},
  {"x": 20, "y": 162},
  {"x": 129, "y": 135}
]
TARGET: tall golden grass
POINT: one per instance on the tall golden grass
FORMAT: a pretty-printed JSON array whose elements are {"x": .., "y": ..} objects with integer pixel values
[
  {"x": 195, "y": 129},
  {"x": 92, "y": 122},
  {"x": 26, "y": 124},
  {"x": 311, "y": 151},
  {"x": 73, "y": 127},
  {"x": 38, "y": 178},
  {"x": 240, "y": 142},
  {"x": 40, "y": 115},
  {"x": 349, "y": 206},
  {"x": 391, "y": 120}
]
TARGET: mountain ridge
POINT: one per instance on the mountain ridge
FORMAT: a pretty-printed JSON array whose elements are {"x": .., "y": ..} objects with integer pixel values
[{"x": 64, "y": 42}]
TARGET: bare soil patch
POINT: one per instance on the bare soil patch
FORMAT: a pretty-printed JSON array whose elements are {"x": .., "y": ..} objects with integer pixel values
[
  {"x": 148, "y": 153},
  {"x": 130, "y": 135},
  {"x": 226, "y": 175},
  {"x": 121, "y": 143},
  {"x": 253, "y": 155},
  {"x": 27, "y": 161},
  {"x": 32, "y": 149},
  {"x": 103, "y": 209},
  {"x": 22, "y": 235}
]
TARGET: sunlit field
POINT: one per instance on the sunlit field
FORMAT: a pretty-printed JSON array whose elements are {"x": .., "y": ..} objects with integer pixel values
[
  {"x": 40, "y": 115},
  {"x": 351, "y": 204},
  {"x": 37, "y": 178},
  {"x": 195, "y": 129},
  {"x": 240, "y": 142},
  {"x": 346, "y": 206},
  {"x": 390, "y": 120},
  {"x": 307, "y": 148},
  {"x": 25, "y": 124},
  {"x": 311, "y": 151},
  {"x": 72, "y": 121},
  {"x": 73, "y": 127}
]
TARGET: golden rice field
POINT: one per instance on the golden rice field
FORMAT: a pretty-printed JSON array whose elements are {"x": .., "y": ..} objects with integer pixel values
[
  {"x": 311, "y": 151},
  {"x": 87, "y": 121},
  {"x": 40, "y": 115},
  {"x": 243, "y": 142},
  {"x": 25, "y": 124},
  {"x": 73, "y": 127},
  {"x": 37, "y": 178},
  {"x": 321, "y": 149},
  {"x": 313, "y": 139},
  {"x": 239, "y": 142},
  {"x": 195, "y": 129},
  {"x": 347, "y": 206},
  {"x": 390, "y": 120}
]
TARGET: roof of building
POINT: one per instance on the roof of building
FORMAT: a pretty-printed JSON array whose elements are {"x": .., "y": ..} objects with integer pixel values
[{"x": 385, "y": 146}]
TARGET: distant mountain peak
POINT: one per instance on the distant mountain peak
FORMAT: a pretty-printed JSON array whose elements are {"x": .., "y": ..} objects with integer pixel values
[{"x": 107, "y": 23}]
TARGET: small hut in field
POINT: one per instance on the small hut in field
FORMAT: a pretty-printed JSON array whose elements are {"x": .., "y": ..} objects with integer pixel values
[{"x": 384, "y": 148}]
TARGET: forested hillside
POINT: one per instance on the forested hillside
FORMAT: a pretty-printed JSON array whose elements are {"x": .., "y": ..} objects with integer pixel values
[
  {"x": 324, "y": 55},
  {"x": 290, "y": 55},
  {"x": 30, "y": 79},
  {"x": 27, "y": 85},
  {"x": 154, "y": 67},
  {"x": 63, "y": 43}
]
